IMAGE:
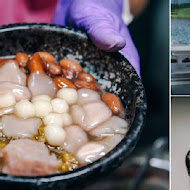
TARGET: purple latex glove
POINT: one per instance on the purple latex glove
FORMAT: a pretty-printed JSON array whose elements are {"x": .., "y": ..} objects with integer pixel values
[{"x": 101, "y": 19}]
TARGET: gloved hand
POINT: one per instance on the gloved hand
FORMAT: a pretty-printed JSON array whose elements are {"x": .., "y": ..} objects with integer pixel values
[{"x": 101, "y": 19}]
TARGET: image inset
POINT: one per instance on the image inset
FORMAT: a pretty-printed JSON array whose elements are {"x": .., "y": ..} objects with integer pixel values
[{"x": 180, "y": 47}]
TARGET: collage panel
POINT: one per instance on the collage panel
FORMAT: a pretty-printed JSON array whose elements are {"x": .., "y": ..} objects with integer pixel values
[
  {"x": 180, "y": 47},
  {"x": 180, "y": 92},
  {"x": 85, "y": 93},
  {"x": 180, "y": 143}
]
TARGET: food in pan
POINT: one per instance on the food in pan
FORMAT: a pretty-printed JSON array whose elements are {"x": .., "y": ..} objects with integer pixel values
[{"x": 53, "y": 116}]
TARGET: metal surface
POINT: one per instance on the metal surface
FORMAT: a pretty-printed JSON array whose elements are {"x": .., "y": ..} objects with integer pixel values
[
  {"x": 180, "y": 71},
  {"x": 180, "y": 68}
]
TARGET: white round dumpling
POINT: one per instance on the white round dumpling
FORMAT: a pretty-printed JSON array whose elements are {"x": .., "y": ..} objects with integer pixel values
[
  {"x": 55, "y": 135},
  {"x": 24, "y": 109},
  {"x": 43, "y": 108},
  {"x": 54, "y": 118},
  {"x": 41, "y": 97},
  {"x": 68, "y": 94},
  {"x": 59, "y": 105},
  {"x": 7, "y": 99}
]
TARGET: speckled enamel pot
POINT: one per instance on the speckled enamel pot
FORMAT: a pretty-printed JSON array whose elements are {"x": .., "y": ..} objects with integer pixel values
[{"x": 113, "y": 72}]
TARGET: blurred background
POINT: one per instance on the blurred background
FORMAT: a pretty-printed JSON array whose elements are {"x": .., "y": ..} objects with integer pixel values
[{"x": 150, "y": 32}]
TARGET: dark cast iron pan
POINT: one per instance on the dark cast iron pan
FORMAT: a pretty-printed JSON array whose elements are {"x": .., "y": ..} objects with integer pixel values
[{"x": 113, "y": 72}]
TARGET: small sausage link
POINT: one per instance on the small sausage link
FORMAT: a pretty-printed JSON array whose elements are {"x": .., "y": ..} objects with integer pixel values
[
  {"x": 22, "y": 59},
  {"x": 112, "y": 102},
  {"x": 52, "y": 68},
  {"x": 69, "y": 74},
  {"x": 84, "y": 84},
  {"x": 46, "y": 56},
  {"x": 61, "y": 82},
  {"x": 71, "y": 65},
  {"x": 35, "y": 64},
  {"x": 86, "y": 77}
]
